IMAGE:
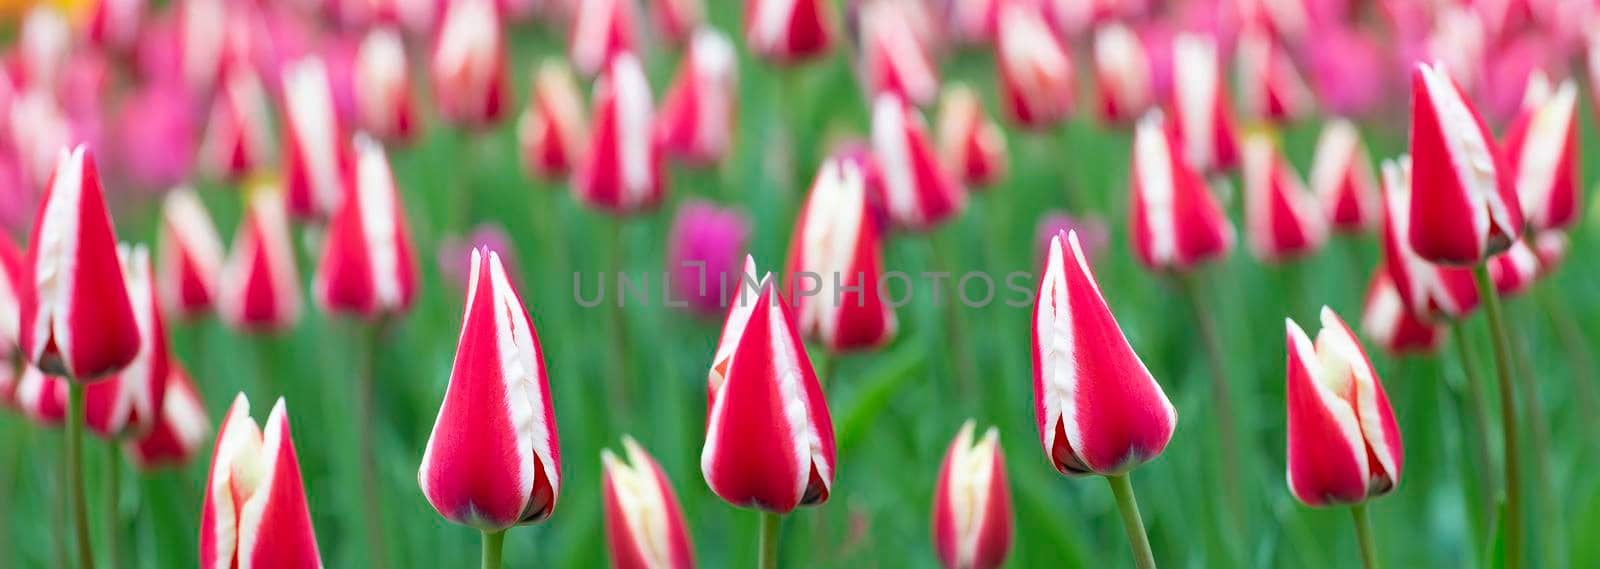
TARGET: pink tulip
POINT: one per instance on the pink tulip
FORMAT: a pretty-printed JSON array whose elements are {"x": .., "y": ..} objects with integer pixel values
[
  {"x": 1122, "y": 74},
  {"x": 838, "y": 244},
  {"x": 1342, "y": 179},
  {"x": 455, "y": 253},
  {"x": 202, "y": 41},
  {"x": 368, "y": 267},
  {"x": 697, "y": 116},
  {"x": 383, "y": 87},
  {"x": 970, "y": 143},
  {"x": 114, "y": 23},
  {"x": 1340, "y": 63},
  {"x": 238, "y": 137},
  {"x": 974, "y": 21},
  {"x": 39, "y": 130},
  {"x": 552, "y": 132},
  {"x": 677, "y": 20},
  {"x": 188, "y": 255},
  {"x": 601, "y": 30},
  {"x": 788, "y": 31},
  {"x": 621, "y": 170},
  {"x": 468, "y": 65},
  {"x": 1176, "y": 222},
  {"x": 645, "y": 528},
  {"x": 155, "y": 136},
  {"x": 920, "y": 192},
  {"x": 255, "y": 511},
  {"x": 1434, "y": 291},
  {"x": 1464, "y": 205},
  {"x": 1393, "y": 324},
  {"x": 1282, "y": 218},
  {"x": 316, "y": 151},
  {"x": 177, "y": 430},
  {"x": 972, "y": 503},
  {"x": 258, "y": 289},
  {"x": 1093, "y": 234},
  {"x": 129, "y": 402},
  {"x": 43, "y": 44},
  {"x": 1036, "y": 76},
  {"x": 11, "y": 275},
  {"x": 1541, "y": 148},
  {"x": 704, "y": 250}
]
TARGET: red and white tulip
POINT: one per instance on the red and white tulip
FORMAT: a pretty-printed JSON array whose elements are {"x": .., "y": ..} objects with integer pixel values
[
  {"x": 238, "y": 137},
  {"x": 259, "y": 286},
  {"x": 972, "y": 520},
  {"x": 553, "y": 131},
  {"x": 1270, "y": 89},
  {"x": 10, "y": 302},
  {"x": 677, "y": 20},
  {"x": 697, "y": 116},
  {"x": 601, "y": 30},
  {"x": 1464, "y": 204},
  {"x": 1514, "y": 270},
  {"x": 202, "y": 41},
  {"x": 970, "y": 142},
  {"x": 468, "y": 64},
  {"x": 255, "y": 512},
  {"x": 837, "y": 243},
  {"x": 316, "y": 151},
  {"x": 788, "y": 31},
  {"x": 1201, "y": 112},
  {"x": 645, "y": 528},
  {"x": 894, "y": 60},
  {"x": 1036, "y": 78},
  {"x": 188, "y": 255},
  {"x": 384, "y": 104},
  {"x": 114, "y": 23},
  {"x": 129, "y": 402},
  {"x": 919, "y": 190},
  {"x": 974, "y": 21},
  {"x": 1541, "y": 149},
  {"x": 1282, "y": 218},
  {"x": 620, "y": 171},
  {"x": 1393, "y": 324},
  {"x": 1551, "y": 248},
  {"x": 1122, "y": 74},
  {"x": 1342, "y": 179},
  {"x": 1434, "y": 291},
  {"x": 368, "y": 267},
  {"x": 41, "y": 398},
  {"x": 177, "y": 430},
  {"x": 1176, "y": 222}
]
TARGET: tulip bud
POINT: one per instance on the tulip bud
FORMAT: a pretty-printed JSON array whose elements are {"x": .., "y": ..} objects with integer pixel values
[
  {"x": 893, "y": 59},
  {"x": 114, "y": 23},
  {"x": 697, "y": 116},
  {"x": 601, "y": 30},
  {"x": 10, "y": 304},
  {"x": 39, "y": 130},
  {"x": 705, "y": 250},
  {"x": 259, "y": 286},
  {"x": 468, "y": 65},
  {"x": 969, "y": 142},
  {"x": 1434, "y": 291},
  {"x": 188, "y": 255},
  {"x": 129, "y": 402},
  {"x": 238, "y": 137},
  {"x": 974, "y": 21},
  {"x": 1458, "y": 42},
  {"x": 76, "y": 318},
  {"x": 1344, "y": 446},
  {"x": 177, "y": 431},
  {"x": 677, "y": 20},
  {"x": 1514, "y": 270},
  {"x": 202, "y": 41},
  {"x": 1392, "y": 323},
  {"x": 1270, "y": 88},
  {"x": 769, "y": 438},
  {"x": 552, "y": 131},
  {"x": 1343, "y": 180},
  {"x": 1464, "y": 204},
  {"x": 972, "y": 503},
  {"x": 1551, "y": 248},
  {"x": 383, "y": 87},
  {"x": 368, "y": 267},
  {"x": 255, "y": 510},
  {"x": 919, "y": 191},
  {"x": 1541, "y": 150},
  {"x": 43, "y": 43},
  {"x": 1121, "y": 74},
  {"x": 1283, "y": 219},
  {"x": 1200, "y": 109},
  {"x": 644, "y": 525},
  {"x": 315, "y": 148},
  {"x": 1036, "y": 81},
  {"x": 41, "y": 398},
  {"x": 838, "y": 244},
  {"x": 493, "y": 460},
  {"x": 621, "y": 170},
  {"x": 788, "y": 31},
  {"x": 1176, "y": 223}
]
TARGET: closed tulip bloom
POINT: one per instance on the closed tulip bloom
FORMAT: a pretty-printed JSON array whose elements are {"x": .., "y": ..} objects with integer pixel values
[
  {"x": 41, "y": 398},
  {"x": 697, "y": 116},
  {"x": 644, "y": 525},
  {"x": 1176, "y": 222},
  {"x": 129, "y": 402},
  {"x": 114, "y": 23},
  {"x": 255, "y": 511},
  {"x": 177, "y": 431},
  {"x": 468, "y": 64},
  {"x": 1551, "y": 248},
  {"x": 893, "y": 58},
  {"x": 974, "y": 21},
  {"x": 1036, "y": 78},
  {"x": 970, "y": 143},
  {"x": 552, "y": 131},
  {"x": 788, "y": 31},
  {"x": 1200, "y": 105},
  {"x": 43, "y": 44},
  {"x": 972, "y": 503},
  {"x": 315, "y": 147},
  {"x": 238, "y": 136},
  {"x": 1434, "y": 291},
  {"x": 493, "y": 460},
  {"x": 1393, "y": 324},
  {"x": 769, "y": 438},
  {"x": 676, "y": 20},
  {"x": 1541, "y": 149},
  {"x": 259, "y": 286},
  {"x": 1122, "y": 74},
  {"x": 188, "y": 255},
  {"x": 75, "y": 316},
  {"x": 1514, "y": 270},
  {"x": 384, "y": 104},
  {"x": 1270, "y": 88},
  {"x": 1283, "y": 218},
  {"x": 1464, "y": 206},
  {"x": 1344, "y": 446},
  {"x": 705, "y": 250},
  {"x": 10, "y": 303},
  {"x": 1342, "y": 179},
  {"x": 838, "y": 245},
  {"x": 368, "y": 267},
  {"x": 202, "y": 41},
  {"x": 620, "y": 171},
  {"x": 919, "y": 190},
  {"x": 601, "y": 30}
]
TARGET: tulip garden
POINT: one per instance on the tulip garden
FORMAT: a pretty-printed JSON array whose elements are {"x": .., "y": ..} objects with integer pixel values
[{"x": 798, "y": 283}]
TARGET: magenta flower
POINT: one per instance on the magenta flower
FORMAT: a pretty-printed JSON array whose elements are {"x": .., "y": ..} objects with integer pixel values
[
  {"x": 703, "y": 255},
  {"x": 155, "y": 136},
  {"x": 455, "y": 252}
]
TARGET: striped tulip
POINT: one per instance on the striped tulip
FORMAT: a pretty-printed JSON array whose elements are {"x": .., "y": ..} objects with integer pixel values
[
  {"x": 769, "y": 438},
  {"x": 1393, "y": 324},
  {"x": 493, "y": 460},
  {"x": 114, "y": 23},
  {"x": 1099, "y": 410},
  {"x": 1343, "y": 444},
  {"x": 188, "y": 255},
  {"x": 1036, "y": 81},
  {"x": 316, "y": 153},
  {"x": 1514, "y": 270},
  {"x": 368, "y": 267},
  {"x": 10, "y": 303},
  {"x": 76, "y": 319},
  {"x": 1551, "y": 248},
  {"x": 644, "y": 525},
  {"x": 1282, "y": 218},
  {"x": 1176, "y": 222},
  {"x": 468, "y": 64},
  {"x": 41, "y": 398},
  {"x": 972, "y": 503},
  {"x": 838, "y": 244},
  {"x": 129, "y": 402},
  {"x": 1541, "y": 150},
  {"x": 255, "y": 511},
  {"x": 1122, "y": 74},
  {"x": 697, "y": 116},
  {"x": 677, "y": 20},
  {"x": 620, "y": 171},
  {"x": 974, "y": 21},
  {"x": 43, "y": 45},
  {"x": 1435, "y": 292},
  {"x": 258, "y": 289},
  {"x": 894, "y": 60},
  {"x": 601, "y": 30},
  {"x": 552, "y": 131},
  {"x": 970, "y": 143},
  {"x": 382, "y": 82},
  {"x": 1270, "y": 89},
  {"x": 238, "y": 137},
  {"x": 788, "y": 31},
  {"x": 1464, "y": 205},
  {"x": 920, "y": 192},
  {"x": 177, "y": 431},
  {"x": 1200, "y": 106},
  {"x": 202, "y": 41},
  {"x": 1343, "y": 180}
]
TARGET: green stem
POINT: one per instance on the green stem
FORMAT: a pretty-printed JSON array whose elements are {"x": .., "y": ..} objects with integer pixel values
[
  {"x": 960, "y": 364},
  {"x": 1221, "y": 396},
  {"x": 769, "y": 540},
  {"x": 1122, "y": 488},
  {"x": 1369, "y": 550},
  {"x": 1480, "y": 426},
  {"x": 369, "y": 457},
  {"x": 493, "y": 543},
  {"x": 80, "y": 510},
  {"x": 113, "y": 512},
  {"x": 1508, "y": 417},
  {"x": 1553, "y": 532}
]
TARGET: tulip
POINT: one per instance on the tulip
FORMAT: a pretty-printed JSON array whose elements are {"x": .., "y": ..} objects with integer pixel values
[
  {"x": 1283, "y": 219},
  {"x": 1541, "y": 149},
  {"x": 43, "y": 43},
  {"x": 1514, "y": 270},
  {"x": 258, "y": 289},
  {"x": 1343, "y": 180},
  {"x": 788, "y": 31},
  {"x": 177, "y": 430},
  {"x": 128, "y": 402},
  {"x": 315, "y": 148},
  {"x": 1093, "y": 234},
  {"x": 697, "y": 116},
  {"x": 468, "y": 66},
  {"x": 552, "y": 132},
  {"x": 1270, "y": 89},
  {"x": 836, "y": 243},
  {"x": 1551, "y": 248},
  {"x": 1435, "y": 292},
  {"x": 972, "y": 503},
  {"x": 188, "y": 255},
  {"x": 1200, "y": 109},
  {"x": 238, "y": 136},
  {"x": 621, "y": 169},
  {"x": 1036, "y": 77},
  {"x": 255, "y": 508},
  {"x": 1392, "y": 323},
  {"x": 368, "y": 267},
  {"x": 974, "y": 21},
  {"x": 970, "y": 143},
  {"x": 383, "y": 87},
  {"x": 644, "y": 525},
  {"x": 10, "y": 303},
  {"x": 114, "y": 23},
  {"x": 704, "y": 252},
  {"x": 894, "y": 60},
  {"x": 1339, "y": 63},
  {"x": 202, "y": 41},
  {"x": 41, "y": 398},
  {"x": 601, "y": 30},
  {"x": 919, "y": 191},
  {"x": 1464, "y": 206},
  {"x": 1176, "y": 222},
  {"x": 455, "y": 253},
  {"x": 1121, "y": 73},
  {"x": 39, "y": 129},
  {"x": 677, "y": 20},
  {"x": 1458, "y": 42},
  {"x": 493, "y": 460}
]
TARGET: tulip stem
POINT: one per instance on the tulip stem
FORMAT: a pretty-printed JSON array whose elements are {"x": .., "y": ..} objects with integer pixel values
[
  {"x": 1480, "y": 422},
  {"x": 493, "y": 542},
  {"x": 1138, "y": 540},
  {"x": 113, "y": 505},
  {"x": 1508, "y": 417},
  {"x": 1369, "y": 550},
  {"x": 369, "y": 456},
  {"x": 80, "y": 510},
  {"x": 769, "y": 540},
  {"x": 1220, "y": 393}
]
